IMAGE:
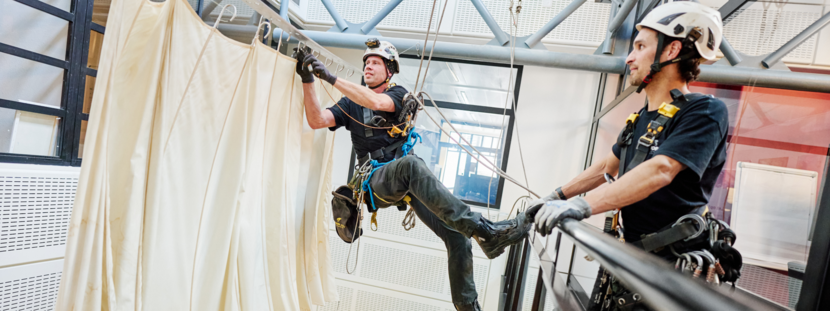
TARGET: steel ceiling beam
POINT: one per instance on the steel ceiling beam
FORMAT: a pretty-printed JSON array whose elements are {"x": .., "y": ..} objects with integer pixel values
[
  {"x": 284, "y": 4},
  {"x": 555, "y": 21},
  {"x": 805, "y": 34},
  {"x": 338, "y": 20},
  {"x": 598, "y": 63},
  {"x": 501, "y": 37},
  {"x": 730, "y": 7},
  {"x": 375, "y": 20},
  {"x": 621, "y": 15}
]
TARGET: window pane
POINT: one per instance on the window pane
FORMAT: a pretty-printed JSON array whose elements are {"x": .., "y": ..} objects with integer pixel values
[
  {"x": 29, "y": 133},
  {"x": 34, "y": 30},
  {"x": 83, "y": 139},
  {"x": 479, "y": 85},
  {"x": 96, "y": 41},
  {"x": 30, "y": 82},
  {"x": 100, "y": 10},
  {"x": 89, "y": 89},
  {"x": 458, "y": 171}
]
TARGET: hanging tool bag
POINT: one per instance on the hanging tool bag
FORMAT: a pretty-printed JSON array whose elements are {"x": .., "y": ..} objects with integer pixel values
[{"x": 345, "y": 213}]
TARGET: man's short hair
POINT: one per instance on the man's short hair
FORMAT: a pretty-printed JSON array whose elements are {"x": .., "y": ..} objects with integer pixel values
[{"x": 689, "y": 69}]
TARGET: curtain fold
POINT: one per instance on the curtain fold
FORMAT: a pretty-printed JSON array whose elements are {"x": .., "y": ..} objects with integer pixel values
[{"x": 190, "y": 190}]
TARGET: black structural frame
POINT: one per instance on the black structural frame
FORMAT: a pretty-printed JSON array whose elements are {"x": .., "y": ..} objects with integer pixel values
[
  {"x": 474, "y": 108},
  {"x": 815, "y": 291},
  {"x": 74, "y": 79}
]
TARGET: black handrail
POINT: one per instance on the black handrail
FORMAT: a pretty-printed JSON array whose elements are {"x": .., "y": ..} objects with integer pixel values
[{"x": 661, "y": 286}]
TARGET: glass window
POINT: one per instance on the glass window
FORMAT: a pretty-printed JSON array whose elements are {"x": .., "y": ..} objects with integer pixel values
[
  {"x": 466, "y": 177},
  {"x": 47, "y": 36},
  {"x": 89, "y": 90},
  {"x": 96, "y": 41},
  {"x": 470, "y": 84},
  {"x": 100, "y": 10},
  {"x": 30, "y": 82},
  {"x": 31, "y": 133},
  {"x": 82, "y": 140}
]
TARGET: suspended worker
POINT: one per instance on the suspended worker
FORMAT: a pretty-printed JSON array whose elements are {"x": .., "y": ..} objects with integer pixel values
[
  {"x": 672, "y": 150},
  {"x": 372, "y": 114}
]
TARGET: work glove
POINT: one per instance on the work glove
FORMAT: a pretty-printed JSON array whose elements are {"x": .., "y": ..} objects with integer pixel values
[
  {"x": 305, "y": 75},
  {"x": 553, "y": 196},
  {"x": 318, "y": 69},
  {"x": 552, "y": 212}
]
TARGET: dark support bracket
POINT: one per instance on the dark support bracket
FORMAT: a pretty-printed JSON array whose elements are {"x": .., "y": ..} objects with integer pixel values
[{"x": 815, "y": 291}]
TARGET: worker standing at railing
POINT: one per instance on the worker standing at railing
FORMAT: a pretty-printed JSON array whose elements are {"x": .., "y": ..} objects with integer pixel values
[
  {"x": 380, "y": 119},
  {"x": 673, "y": 149}
]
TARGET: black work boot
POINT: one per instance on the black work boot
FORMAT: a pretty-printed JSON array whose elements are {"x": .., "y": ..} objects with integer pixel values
[
  {"x": 474, "y": 306},
  {"x": 494, "y": 237}
]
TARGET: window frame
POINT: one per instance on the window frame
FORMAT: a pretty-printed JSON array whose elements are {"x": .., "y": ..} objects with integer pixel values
[
  {"x": 75, "y": 69},
  {"x": 479, "y": 109}
]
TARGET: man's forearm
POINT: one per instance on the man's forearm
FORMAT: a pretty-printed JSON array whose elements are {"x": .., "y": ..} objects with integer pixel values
[
  {"x": 312, "y": 107},
  {"x": 358, "y": 94},
  {"x": 635, "y": 185},
  {"x": 586, "y": 181}
]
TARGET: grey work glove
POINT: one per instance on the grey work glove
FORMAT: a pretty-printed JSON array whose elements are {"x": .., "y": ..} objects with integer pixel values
[
  {"x": 319, "y": 69},
  {"x": 552, "y": 212},
  {"x": 305, "y": 75},
  {"x": 553, "y": 196}
]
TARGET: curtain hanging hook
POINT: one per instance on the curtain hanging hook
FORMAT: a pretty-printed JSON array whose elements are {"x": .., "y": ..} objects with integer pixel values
[
  {"x": 328, "y": 62},
  {"x": 267, "y": 23},
  {"x": 351, "y": 72},
  {"x": 279, "y": 42},
  {"x": 219, "y": 19},
  {"x": 340, "y": 68}
]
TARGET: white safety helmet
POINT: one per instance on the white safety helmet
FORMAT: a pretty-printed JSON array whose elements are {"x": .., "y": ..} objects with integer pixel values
[
  {"x": 385, "y": 50},
  {"x": 680, "y": 18}
]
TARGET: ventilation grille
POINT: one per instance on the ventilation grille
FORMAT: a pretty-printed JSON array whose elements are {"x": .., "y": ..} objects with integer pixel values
[
  {"x": 763, "y": 27},
  {"x": 30, "y": 287},
  {"x": 375, "y": 302},
  {"x": 405, "y": 268},
  {"x": 35, "y": 210},
  {"x": 766, "y": 283},
  {"x": 346, "y": 295}
]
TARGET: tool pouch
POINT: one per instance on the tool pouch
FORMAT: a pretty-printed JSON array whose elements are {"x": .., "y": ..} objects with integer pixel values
[{"x": 345, "y": 214}]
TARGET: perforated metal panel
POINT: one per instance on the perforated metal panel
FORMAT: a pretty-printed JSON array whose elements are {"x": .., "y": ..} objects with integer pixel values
[
  {"x": 763, "y": 27},
  {"x": 30, "y": 287},
  {"x": 346, "y": 296},
  {"x": 35, "y": 209},
  {"x": 375, "y": 302},
  {"x": 767, "y": 283},
  {"x": 587, "y": 24},
  {"x": 410, "y": 14}
]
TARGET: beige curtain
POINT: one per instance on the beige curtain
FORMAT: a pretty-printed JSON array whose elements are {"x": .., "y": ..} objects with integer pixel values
[{"x": 190, "y": 195}]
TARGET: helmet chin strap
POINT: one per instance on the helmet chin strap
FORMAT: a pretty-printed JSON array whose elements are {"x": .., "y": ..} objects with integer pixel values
[
  {"x": 657, "y": 65},
  {"x": 388, "y": 76}
]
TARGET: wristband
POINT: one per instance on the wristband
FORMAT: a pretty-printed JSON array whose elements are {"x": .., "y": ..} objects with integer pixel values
[{"x": 560, "y": 194}]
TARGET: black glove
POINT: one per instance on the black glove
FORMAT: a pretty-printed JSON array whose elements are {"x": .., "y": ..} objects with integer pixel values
[
  {"x": 305, "y": 75},
  {"x": 319, "y": 69}
]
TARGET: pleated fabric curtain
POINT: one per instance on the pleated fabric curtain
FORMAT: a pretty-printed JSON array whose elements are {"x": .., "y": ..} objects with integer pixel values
[{"x": 190, "y": 196}]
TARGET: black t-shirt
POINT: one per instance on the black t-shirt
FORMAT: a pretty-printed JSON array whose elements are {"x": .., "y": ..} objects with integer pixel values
[
  {"x": 695, "y": 137},
  {"x": 380, "y": 138}
]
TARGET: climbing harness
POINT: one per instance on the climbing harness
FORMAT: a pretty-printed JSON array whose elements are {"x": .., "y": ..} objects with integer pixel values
[{"x": 645, "y": 143}]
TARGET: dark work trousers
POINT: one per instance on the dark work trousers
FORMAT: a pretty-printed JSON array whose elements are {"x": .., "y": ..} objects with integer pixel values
[
  {"x": 439, "y": 210},
  {"x": 410, "y": 175}
]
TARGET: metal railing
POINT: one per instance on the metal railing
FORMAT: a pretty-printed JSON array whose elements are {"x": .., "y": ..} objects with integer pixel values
[{"x": 661, "y": 286}]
